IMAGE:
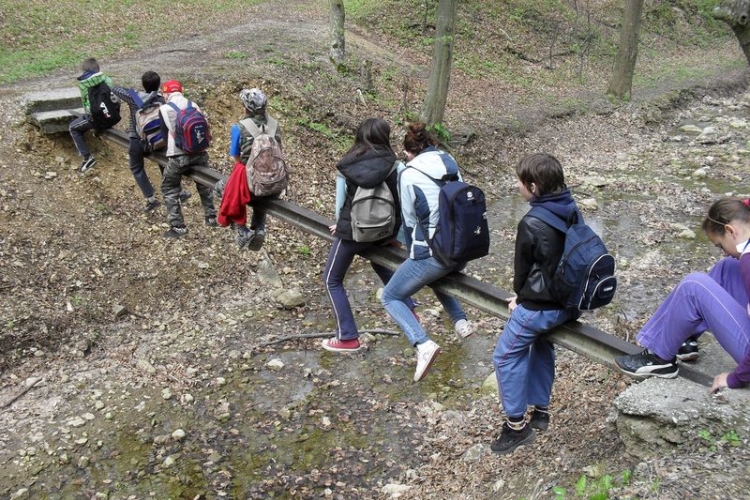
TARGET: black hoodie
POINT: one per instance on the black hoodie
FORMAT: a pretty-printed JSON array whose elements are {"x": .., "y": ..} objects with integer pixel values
[{"x": 368, "y": 170}]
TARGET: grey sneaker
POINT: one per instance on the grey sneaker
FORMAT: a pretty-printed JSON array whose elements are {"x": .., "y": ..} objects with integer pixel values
[
  {"x": 211, "y": 222},
  {"x": 185, "y": 196},
  {"x": 463, "y": 328},
  {"x": 256, "y": 243},
  {"x": 244, "y": 236},
  {"x": 426, "y": 354},
  {"x": 87, "y": 164},
  {"x": 176, "y": 232}
]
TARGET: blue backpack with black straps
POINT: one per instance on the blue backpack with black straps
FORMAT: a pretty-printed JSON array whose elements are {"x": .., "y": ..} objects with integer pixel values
[{"x": 585, "y": 276}]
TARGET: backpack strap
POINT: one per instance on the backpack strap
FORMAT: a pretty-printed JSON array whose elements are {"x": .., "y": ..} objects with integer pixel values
[
  {"x": 552, "y": 219},
  {"x": 269, "y": 128}
]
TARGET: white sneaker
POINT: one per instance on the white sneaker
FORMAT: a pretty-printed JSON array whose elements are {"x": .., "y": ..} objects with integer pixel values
[
  {"x": 463, "y": 328},
  {"x": 426, "y": 354}
]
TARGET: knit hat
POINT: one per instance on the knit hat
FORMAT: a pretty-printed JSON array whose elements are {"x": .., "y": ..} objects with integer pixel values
[
  {"x": 253, "y": 99},
  {"x": 171, "y": 86}
]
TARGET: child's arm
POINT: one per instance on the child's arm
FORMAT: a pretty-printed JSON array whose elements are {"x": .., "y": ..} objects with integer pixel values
[
  {"x": 741, "y": 375},
  {"x": 340, "y": 194},
  {"x": 408, "y": 210}
]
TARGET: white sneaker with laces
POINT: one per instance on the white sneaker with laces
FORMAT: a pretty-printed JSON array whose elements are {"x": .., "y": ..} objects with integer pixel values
[
  {"x": 463, "y": 328},
  {"x": 426, "y": 354}
]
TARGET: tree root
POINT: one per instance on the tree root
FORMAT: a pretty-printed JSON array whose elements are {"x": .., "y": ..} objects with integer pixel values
[{"x": 321, "y": 335}]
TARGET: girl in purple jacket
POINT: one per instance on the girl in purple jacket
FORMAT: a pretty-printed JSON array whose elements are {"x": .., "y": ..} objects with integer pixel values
[{"x": 715, "y": 302}]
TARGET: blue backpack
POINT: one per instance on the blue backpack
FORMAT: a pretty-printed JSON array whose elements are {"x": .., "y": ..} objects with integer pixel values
[
  {"x": 462, "y": 233},
  {"x": 147, "y": 120},
  {"x": 585, "y": 276}
]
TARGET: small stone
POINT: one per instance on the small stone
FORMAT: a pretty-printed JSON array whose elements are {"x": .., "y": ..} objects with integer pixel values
[
  {"x": 395, "y": 490},
  {"x": 186, "y": 398},
  {"x": 76, "y": 422},
  {"x": 84, "y": 462},
  {"x": 119, "y": 311},
  {"x": 169, "y": 461},
  {"x": 166, "y": 393},
  {"x": 178, "y": 435},
  {"x": 275, "y": 364}
]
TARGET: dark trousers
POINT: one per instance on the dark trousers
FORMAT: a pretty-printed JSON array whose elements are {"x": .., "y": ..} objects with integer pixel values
[
  {"x": 171, "y": 186},
  {"x": 78, "y": 128}
]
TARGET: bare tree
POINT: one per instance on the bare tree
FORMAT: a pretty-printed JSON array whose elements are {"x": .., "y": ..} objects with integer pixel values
[
  {"x": 622, "y": 77},
  {"x": 442, "y": 58},
  {"x": 338, "y": 16},
  {"x": 736, "y": 13}
]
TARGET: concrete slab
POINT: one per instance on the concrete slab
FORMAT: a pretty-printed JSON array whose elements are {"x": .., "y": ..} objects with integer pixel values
[
  {"x": 53, "y": 122},
  {"x": 51, "y": 100},
  {"x": 657, "y": 415}
]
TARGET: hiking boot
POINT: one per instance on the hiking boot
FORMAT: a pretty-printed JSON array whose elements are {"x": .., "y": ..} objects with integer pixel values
[
  {"x": 184, "y": 196},
  {"x": 510, "y": 439},
  {"x": 688, "y": 351},
  {"x": 259, "y": 237},
  {"x": 539, "y": 420},
  {"x": 337, "y": 345},
  {"x": 647, "y": 364},
  {"x": 87, "y": 164},
  {"x": 176, "y": 232},
  {"x": 426, "y": 354},
  {"x": 463, "y": 328},
  {"x": 244, "y": 236},
  {"x": 151, "y": 205},
  {"x": 211, "y": 222}
]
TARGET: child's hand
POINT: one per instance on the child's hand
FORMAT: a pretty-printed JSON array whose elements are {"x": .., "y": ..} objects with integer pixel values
[
  {"x": 332, "y": 229},
  {"x": 720, "y": 382},
  {"x": 512, "y": 304}
]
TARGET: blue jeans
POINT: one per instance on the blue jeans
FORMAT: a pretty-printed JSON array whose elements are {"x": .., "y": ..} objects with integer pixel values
[
  {"x": 78, "y": 128},
  {"x": 410, "y": 277},
  {"x": 524, "y": 358},
  {"x": 339, "y": 260},
  {"x": 716, "y": 301}
]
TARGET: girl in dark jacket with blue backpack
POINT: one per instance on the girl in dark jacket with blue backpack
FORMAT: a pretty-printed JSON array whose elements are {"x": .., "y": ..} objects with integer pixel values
[{"x": 368, "y": 163}]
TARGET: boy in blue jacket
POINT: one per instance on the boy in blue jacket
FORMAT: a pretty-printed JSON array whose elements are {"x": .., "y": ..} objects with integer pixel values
[{"x": 524, "y": 358}]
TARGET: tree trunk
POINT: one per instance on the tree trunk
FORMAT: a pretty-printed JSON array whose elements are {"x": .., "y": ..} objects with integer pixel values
[
  {"x": 736, "y": 13},
  {"x": 622, "y": 76},
  {"x": 440, "y": 71},
  {"x": 338, "y": 15}
]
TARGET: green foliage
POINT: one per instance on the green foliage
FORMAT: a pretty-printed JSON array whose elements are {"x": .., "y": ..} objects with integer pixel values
[
  {"x": 598, "y": 488},
  {"x": 235, "y": 54},
  {"x": 38, "y": 39},
  {"x": 440, "y": 132},
  {"x": 731, "y": 438},
  {"x": 304, "y": 250}
]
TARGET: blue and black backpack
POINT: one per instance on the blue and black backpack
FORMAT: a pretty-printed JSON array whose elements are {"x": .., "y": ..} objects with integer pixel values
[
  {"x": 585, "y": 276},
  {"x": 462, "y": 233}
]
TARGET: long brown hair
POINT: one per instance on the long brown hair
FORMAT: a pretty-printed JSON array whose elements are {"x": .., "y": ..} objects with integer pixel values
[
  {"x": 418, "y": 138},
  {"x": 723, "y": 211}
]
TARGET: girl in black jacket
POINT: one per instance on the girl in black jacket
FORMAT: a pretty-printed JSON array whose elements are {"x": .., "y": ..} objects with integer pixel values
[{"x": 368, "y": 163}]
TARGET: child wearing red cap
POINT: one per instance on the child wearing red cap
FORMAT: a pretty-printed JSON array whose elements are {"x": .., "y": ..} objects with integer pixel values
[{"x": 180, "y": 163}]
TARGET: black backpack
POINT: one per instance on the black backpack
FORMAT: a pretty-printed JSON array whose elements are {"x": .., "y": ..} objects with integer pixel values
[{"x": 104, "y": 106}]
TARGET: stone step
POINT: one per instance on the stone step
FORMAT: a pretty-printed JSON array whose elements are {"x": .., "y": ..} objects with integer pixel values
[
  {"x": 52, "y": 100},
  {"x": 52, "y": 110}
]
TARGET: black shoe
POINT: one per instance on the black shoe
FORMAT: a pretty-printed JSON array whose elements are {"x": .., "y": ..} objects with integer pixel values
[
  {"x": 647, "y": 364},
  {"x": 176, "y": 232},
  {"x": 87, "y": 164},
  {"x": 509, "y": 439},
  {"x": 689, "y": 350},
  {"x": 151, "y": 205},
  {"x": 539, "y": 420},
  {"x": 185, "y": 196},
  {"x": 211, "y": 222},
  {"x": 256, "y": 243}
]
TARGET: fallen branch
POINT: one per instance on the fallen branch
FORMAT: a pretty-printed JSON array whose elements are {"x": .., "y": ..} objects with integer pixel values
[
  {"x": 321, "y": 335},
  {"x": 20, "y": 393}
]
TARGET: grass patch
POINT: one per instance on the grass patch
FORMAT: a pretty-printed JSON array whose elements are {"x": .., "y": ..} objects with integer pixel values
[{"x": 38, "y": 39}]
